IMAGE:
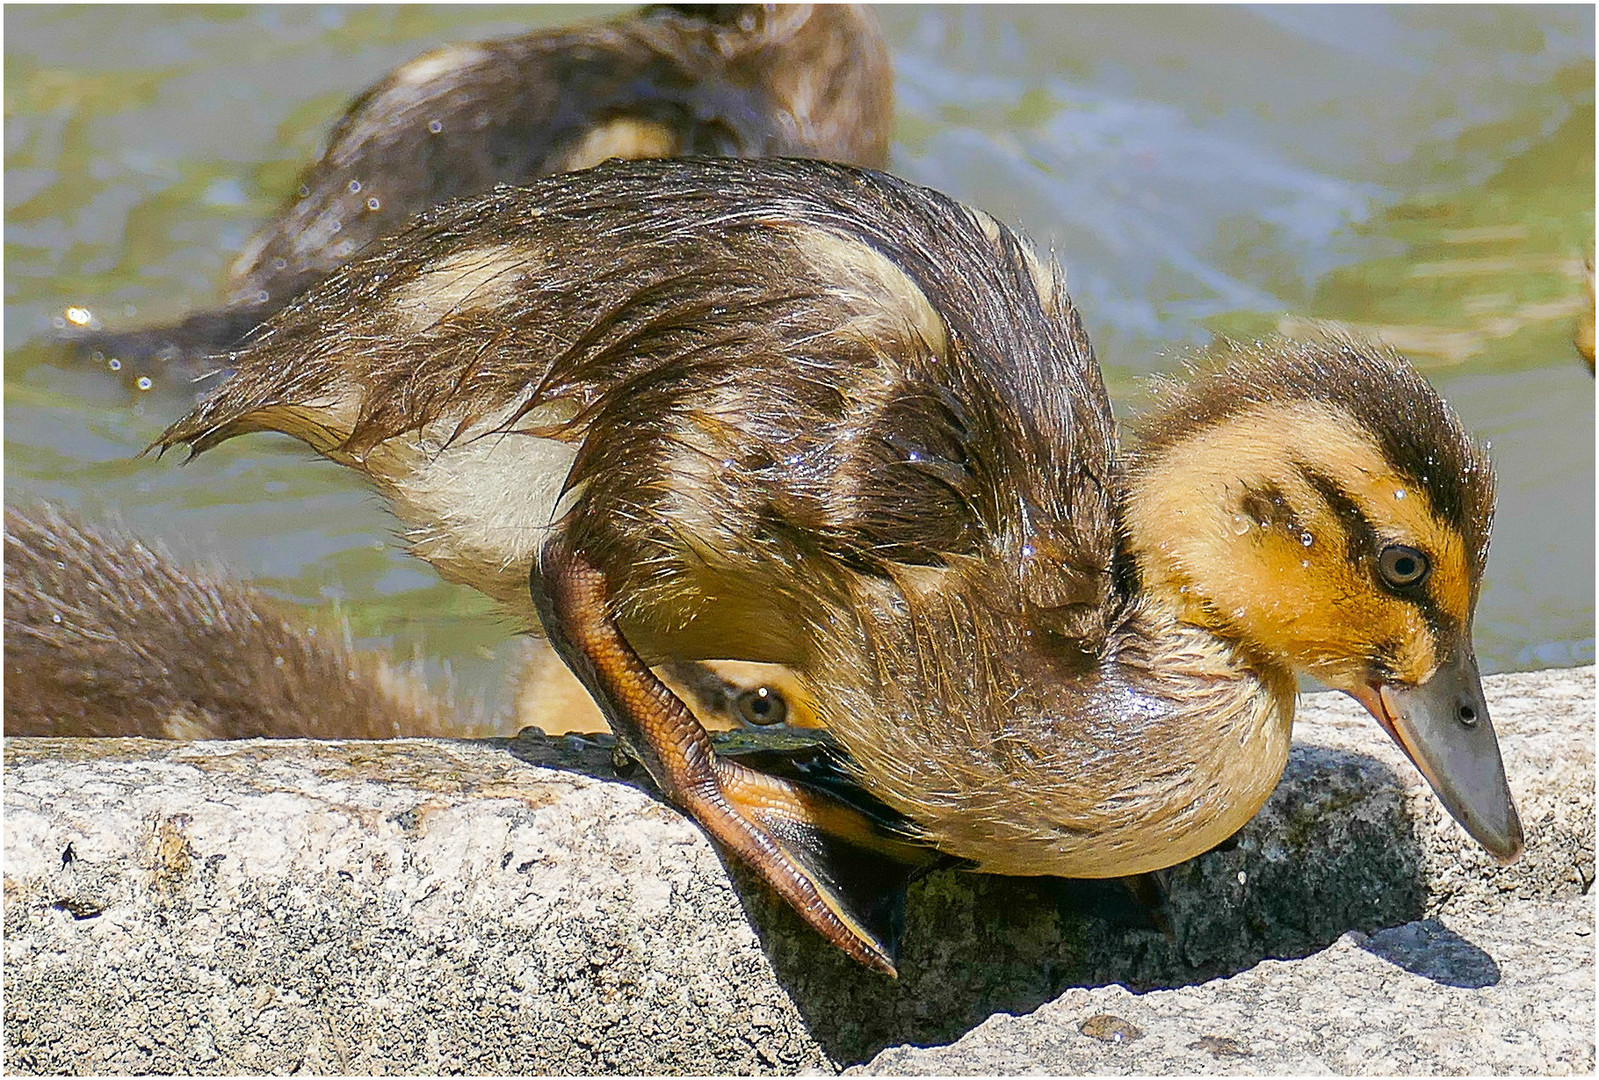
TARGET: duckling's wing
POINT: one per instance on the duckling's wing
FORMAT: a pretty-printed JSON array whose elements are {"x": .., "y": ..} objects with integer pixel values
[
  {"x": 822, "y": 359},
  {"x": 990, "y": 443}
]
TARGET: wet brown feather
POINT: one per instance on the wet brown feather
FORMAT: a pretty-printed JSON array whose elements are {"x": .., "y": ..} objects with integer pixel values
[{"x": 672, "y": 304}]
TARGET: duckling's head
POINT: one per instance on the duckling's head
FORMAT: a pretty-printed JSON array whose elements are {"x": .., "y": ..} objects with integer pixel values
[{"x": 1319, "y": 505}]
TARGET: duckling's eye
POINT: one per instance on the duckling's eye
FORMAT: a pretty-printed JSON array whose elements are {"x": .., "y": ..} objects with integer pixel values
[
  {"x": 1402, "y": 567},
  {"x": 762, "y": 706}
]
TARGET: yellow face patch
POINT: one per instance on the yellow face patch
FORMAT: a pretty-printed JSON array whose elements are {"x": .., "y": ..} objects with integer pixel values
[{"x": 1270, "y": 525}]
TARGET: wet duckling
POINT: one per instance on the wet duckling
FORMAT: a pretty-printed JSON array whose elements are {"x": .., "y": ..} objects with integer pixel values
[
  {"x": 743, "y": 80},
  {"x": 107, "y": 635},
  {"x": 794, "y": 412}
]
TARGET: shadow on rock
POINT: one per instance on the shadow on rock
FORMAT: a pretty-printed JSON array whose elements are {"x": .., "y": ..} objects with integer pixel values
[
  {"x": 1433, "y": 951},
  {"x": 1333, "y": 850}
]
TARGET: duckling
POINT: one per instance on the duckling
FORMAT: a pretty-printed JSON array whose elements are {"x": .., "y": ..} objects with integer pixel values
[
  {"x": 109, "y": 636},
  {"x": 724, "y": 695},
  {"x": 743, "y": 80},
  {"x": 800, "y": 413}
]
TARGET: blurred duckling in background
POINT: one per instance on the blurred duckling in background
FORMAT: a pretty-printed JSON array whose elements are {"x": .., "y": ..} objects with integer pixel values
[
  {"x": 109, "y": 636},
  {"x": 742, "y": 80},
  {"x": 793, "y": 412},
  {"x": 106, "y": 635}
]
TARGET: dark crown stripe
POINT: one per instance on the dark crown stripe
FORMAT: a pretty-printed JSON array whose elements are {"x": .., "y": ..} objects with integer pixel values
[{"x": 1358, "y": 529}]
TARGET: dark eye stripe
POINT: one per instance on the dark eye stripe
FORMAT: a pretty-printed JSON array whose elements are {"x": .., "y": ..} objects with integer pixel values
[
  {"x": 1364, "y": 543},
  {"x": 1362, "y": 537}
]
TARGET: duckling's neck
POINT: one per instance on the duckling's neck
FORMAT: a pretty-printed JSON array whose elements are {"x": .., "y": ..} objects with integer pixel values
[{"x": 1214, "y": 717}]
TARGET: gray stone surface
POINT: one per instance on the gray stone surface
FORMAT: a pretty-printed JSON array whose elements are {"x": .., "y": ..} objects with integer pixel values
[
  {"x": 1481, "y": 993},
  {"x": 501, "y": 905}
]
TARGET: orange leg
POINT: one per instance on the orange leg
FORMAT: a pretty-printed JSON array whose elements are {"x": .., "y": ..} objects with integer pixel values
[{"x": 767, "y": 822}]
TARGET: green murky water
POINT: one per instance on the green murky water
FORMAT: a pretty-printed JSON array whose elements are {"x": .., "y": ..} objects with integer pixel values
[{"x": 1425, "y": 173}]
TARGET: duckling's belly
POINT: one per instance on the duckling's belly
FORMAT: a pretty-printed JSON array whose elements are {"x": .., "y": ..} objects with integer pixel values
[
  {"x": 1149, "y": 797},
  {"x": 477, "y": 506},
  {"x": 1117, "y": 774}
]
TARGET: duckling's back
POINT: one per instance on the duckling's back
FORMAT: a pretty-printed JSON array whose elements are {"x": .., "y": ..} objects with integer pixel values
[{"x": 773, "y": 376}]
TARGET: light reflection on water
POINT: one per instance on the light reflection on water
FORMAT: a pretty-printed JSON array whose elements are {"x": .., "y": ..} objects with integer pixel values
[{"x": 1196, "y": 169}]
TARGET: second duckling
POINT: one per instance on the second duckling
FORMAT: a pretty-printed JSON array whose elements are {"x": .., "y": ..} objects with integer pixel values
[
  {"x": 745, "y": 80},
  {"x": 795, "y": 412},
  {"x": 107, "y": 635}
]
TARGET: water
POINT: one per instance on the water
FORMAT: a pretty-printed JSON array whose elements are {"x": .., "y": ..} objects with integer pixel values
[{"x": 1424, "y": 173}]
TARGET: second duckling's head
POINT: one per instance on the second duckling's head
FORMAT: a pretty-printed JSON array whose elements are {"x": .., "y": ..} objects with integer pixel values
[{"x": 1322, "y": 506}]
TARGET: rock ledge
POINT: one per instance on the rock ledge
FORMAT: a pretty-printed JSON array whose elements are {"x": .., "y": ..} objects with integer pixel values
[{"x": 507, "y": 906}]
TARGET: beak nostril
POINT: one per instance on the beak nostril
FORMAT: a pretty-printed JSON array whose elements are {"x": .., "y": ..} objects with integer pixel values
[{"x": 1468, "y": 715}]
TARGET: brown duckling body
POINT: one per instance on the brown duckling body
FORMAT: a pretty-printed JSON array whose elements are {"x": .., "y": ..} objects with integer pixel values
[
  {"x": 741, "y": 80},
  {"x": 107, "y": 635},
  {"x": 794, "y": 412}
]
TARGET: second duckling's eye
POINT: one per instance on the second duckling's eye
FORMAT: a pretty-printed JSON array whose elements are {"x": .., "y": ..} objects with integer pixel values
[
  {"x": 1402, "y": 567},
  {"x": 762, "y": 707}
]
